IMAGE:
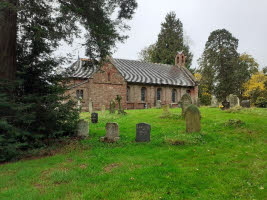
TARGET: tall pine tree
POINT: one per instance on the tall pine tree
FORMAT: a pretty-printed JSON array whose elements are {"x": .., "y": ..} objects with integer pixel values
[
  {"x": 220, "y": 63},
  {"x": 170, "y": 41}
]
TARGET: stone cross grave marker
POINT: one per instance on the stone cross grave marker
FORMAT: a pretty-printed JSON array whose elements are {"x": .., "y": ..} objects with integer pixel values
[
  {"x": 112, "y": 133},
  {"x": 192, "y": 119},
  {"x": 94, "y": 118},
  {"x": 83, "y": 128},
  {"x": 143, "y": 132},
  {"x": 226, "y": 105},
  {"x": 90, "y": 105},
  {"x": 186, "y": 101}
]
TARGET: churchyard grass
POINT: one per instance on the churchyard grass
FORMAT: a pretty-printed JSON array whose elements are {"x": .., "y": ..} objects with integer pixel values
[{"x": 224, "y": 161}]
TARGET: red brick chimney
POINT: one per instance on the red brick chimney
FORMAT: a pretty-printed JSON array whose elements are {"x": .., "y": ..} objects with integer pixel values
[{"x": 180, "y": 59}]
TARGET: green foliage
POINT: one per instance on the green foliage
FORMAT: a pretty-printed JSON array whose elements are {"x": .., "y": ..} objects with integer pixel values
[
  {"x": 261, "y": 102},
  {"x": 221, "y": 162},
  {"x": 170, "y": 41},
  {"x": 34, "y": 109}
]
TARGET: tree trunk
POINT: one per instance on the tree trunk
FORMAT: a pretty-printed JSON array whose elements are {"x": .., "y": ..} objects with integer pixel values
[{"x": 8, "y": 40}]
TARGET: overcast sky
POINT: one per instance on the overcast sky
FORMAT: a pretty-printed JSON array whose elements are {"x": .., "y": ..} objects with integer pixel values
[{"x": 245, "y": 19}]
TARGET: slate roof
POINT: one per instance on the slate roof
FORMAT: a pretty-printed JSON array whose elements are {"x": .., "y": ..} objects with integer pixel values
[{"x": 139, "y": 72}]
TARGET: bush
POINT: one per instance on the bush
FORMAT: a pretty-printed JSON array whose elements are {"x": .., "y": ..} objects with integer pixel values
[
  {"x": 205, "y": 99},
  {"x": 261, "y": 102}
]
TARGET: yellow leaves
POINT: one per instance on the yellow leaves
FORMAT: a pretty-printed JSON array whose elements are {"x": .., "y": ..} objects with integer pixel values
[
  {"x": 198, "y": 76},
  {"x": 256, "y": 81}
]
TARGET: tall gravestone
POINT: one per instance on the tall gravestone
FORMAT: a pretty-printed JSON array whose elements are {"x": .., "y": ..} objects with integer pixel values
[
  {"x": 143, "y": 132},
  {"x": 192, "y": 119},
  {"x": 158, "y": 104},
  {"x": 90, "y": 105},
  {"x": 112, "y": 106},
  {"x": 94, "y": 118},
  {"x": 214, "y": 102},
  {"x": 186, "y": 101},
  {"x": 233, "y": 100},
  {"x": 83, "y": 128},
  {"x": 245, "y": 103},
  {"x": 112, "y": 133},
  {"x": 103, "y": 109}
]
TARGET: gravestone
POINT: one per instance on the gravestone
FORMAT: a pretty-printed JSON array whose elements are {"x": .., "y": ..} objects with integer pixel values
[
  {"x": 166, "y": 111},
  {"x": 112, "y": 106},
  {"x": 234, "y": 100},
  {"x": 158, "y": 104},
  {"x": 245, "y": 103},
  {"x": 143, "y": 132},
  {"x": 226, "y": 105},
  {"x": 186, "y": 101},
  {"x": 214, "y": 102},
  {"x": 103, "y": 109},
  {"x": 94, "y": 118},
  {"x": 83, "y": 128},
  {"x": 90, "y": 105},
  {"x": 192, "y": 119},
  {"x": 112, "y": 133}
]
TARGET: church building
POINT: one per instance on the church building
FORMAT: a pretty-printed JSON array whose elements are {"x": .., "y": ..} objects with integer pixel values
[{"x": 140, "y": 84}]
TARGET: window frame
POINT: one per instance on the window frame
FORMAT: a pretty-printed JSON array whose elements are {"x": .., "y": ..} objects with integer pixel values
[
  {"x": 143, "y": 94},
  {"x": 158, "y": 94}
]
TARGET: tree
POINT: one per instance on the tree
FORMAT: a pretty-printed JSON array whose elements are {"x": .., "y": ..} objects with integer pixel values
[
  {"x": 170, "y": 41},
  {"x": 219, "y": 63},
  {"x": 33, "y": 108},
  {"x": 256, "y": 87},
  {"x": 99, "y": 18}
]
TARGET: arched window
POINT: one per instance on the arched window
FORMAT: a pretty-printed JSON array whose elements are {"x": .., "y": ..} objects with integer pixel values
[
  {"x": 159, "y": 94},
  {"x": 128, "y": 93},
  {"x": 79, "y": 94},
  {"x": 108, "y": 76},
  {"x": 143, "y": 94},
  {"x": 173, "y": 95}
]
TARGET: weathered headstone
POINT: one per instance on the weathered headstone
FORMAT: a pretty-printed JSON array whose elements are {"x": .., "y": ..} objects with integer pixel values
[
  {"x": 143, "y": 132},
  {"x": 186, "y": 101},
  {"x": 245, "y": 103},
  {"x": 166, "y": 111},
  {"x": 79, "y": 104},
  {"x": 83, "y": 128},
  {"x": 214, "y": 102},
  {"x": 90, "y": 105},
  {"x": 94, "y": 118},
  {"x": 112, "y": 133},
  {"x": 158, "y": 104},
  {"x": 192, "y": 119},
  {"x": 103, "y": 109},
  {"x": 234, "y": 100},
  {"x": 112, "y": 106}
]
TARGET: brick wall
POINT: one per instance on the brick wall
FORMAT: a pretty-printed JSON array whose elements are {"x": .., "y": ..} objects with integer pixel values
[{"x": 107, "y": 83}]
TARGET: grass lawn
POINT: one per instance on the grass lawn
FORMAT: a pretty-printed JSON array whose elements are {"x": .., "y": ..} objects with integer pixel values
[{"x": 224, "y": 161}]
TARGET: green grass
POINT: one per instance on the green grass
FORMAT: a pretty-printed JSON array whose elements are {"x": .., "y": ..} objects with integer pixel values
[{"x": 224, "y": 161}]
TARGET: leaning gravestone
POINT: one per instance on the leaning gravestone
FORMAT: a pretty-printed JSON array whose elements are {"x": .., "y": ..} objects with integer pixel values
[
  {"x": 234, "y": 100},
  {"x": 94, "y": 118},
  {"x": 112, "y": 133},
  {"x": 90, "y": 105},
  {"x": 112, "y": 106},
  {"x": 186, "y": 101},
  {"x": 83, "y": 128},
  {"x": 245, "y": 103},
  {"x": 214, "y": 102},
  {"x": 158, "y": 104},
  {"x": 143, "y": 132},
  {"x": 103, "y": 109},
  {"x": 192, "y": 119}
]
